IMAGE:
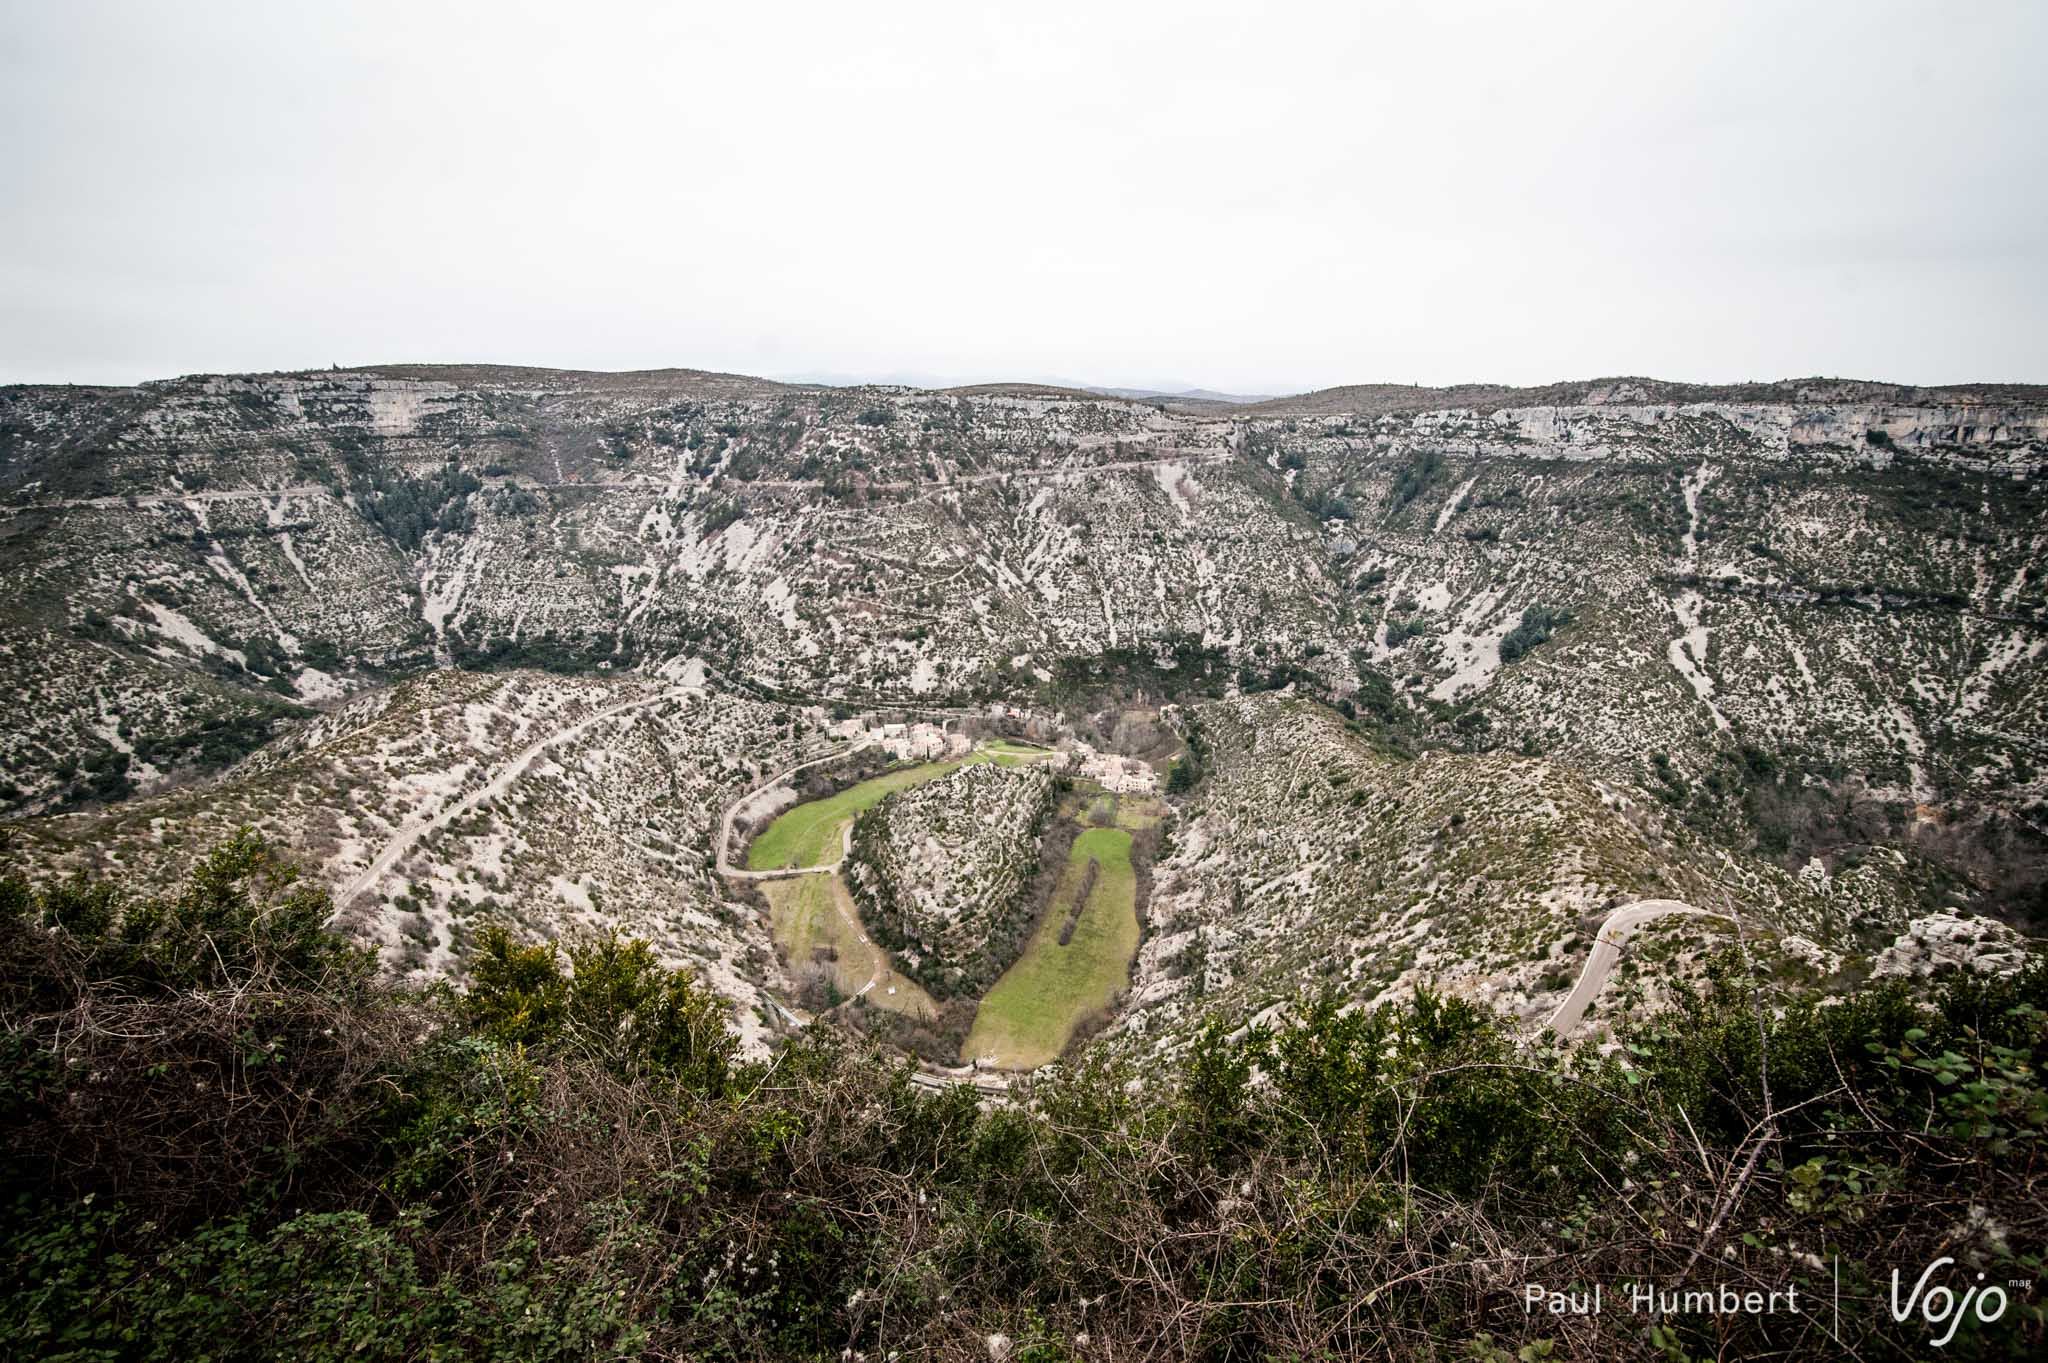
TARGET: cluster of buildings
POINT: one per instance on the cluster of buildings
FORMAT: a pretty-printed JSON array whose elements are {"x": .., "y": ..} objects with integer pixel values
[
  {"x": 1118, "y": 775},
  {"x": 921, "y": 742}
]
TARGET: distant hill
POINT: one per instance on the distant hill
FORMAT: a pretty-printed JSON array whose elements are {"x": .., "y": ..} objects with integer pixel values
[
  {"x": 1185, "y": 395},
  {"x": 1379, "y": 399}
]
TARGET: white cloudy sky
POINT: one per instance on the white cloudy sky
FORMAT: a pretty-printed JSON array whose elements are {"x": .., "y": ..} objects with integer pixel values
[{"x": 1254, "y": 197}]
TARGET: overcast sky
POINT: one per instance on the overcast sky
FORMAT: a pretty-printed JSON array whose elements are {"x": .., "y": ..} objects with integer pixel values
[{"x": 1251, "y": 197}]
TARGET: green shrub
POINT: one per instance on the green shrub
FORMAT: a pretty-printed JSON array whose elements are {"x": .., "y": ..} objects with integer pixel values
[
  {"x": 517, "y": 994},
  {"x": 242, "y": 918},
  {"x": 1538, "y": 623},
  {"x": 277, "y": 1157}
]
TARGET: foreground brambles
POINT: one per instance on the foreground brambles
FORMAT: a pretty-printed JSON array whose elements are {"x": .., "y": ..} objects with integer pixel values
[{"x": 223, "y": 1138}]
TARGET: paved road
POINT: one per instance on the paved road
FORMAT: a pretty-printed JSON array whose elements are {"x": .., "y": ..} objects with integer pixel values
[
  {"x": 990, "y": 1086},
  {"x": 204, "y": 496},
  {"x": 725, "y": 866},
  {"x": 1606, "y": 954}
]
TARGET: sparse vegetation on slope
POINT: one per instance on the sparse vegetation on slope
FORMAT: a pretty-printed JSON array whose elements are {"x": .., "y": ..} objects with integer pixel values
[
  {"x": 1312, "y": 857},
  {"x": 941, "y": 870},
  {"x": 1839, "y": 574}
]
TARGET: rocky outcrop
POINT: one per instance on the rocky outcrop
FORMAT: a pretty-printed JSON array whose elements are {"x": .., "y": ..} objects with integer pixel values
[
  {"x": 942, "y": 873},
  {"x": 1949, "y": 941}
]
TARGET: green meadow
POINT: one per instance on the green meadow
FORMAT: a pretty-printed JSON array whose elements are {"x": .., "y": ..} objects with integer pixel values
[
  {"x": 1030, "y": 1014},
  {"x": 808, "y": 834},
  {"x": 814, "y": 920}
]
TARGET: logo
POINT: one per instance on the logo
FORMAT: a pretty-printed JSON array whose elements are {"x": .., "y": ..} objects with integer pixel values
[{"x": 1939, "y": 1306}]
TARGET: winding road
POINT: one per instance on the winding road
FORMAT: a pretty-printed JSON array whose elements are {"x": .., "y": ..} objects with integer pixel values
[
  {"x": 408, "y": 836},
  {"x": 725, "y": 866},
  {"x": 1606, "y": 954}
]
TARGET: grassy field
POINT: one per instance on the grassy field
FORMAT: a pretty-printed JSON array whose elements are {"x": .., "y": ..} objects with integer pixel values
[
  {"x": 1134, "y": 812},
  {"x": 808, "y": 835},
  {"x": 1128, "y": 812},
  {"x": 1009, "y": 752},
  {"x": 1028, "y": 1017},
  {"x": 813, "y": 913}
]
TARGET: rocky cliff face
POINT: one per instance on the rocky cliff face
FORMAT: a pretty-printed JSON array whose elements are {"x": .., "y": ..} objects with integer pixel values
[
  {"x": 1858, "y": 579},
  {"x": 1801, "y": 619}
]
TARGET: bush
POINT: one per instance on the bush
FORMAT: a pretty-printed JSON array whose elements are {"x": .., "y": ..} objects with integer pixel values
[
  {"x": 257, "y": 1159},
  {"x": 1537, "y": 625},
  {"x": 242, "y": 919},
  {"x": 407, "y": 507},
  {"x": 517, "y": 994},
  {"x": 1423, "y": 470},
  {"x": 618, "y": 1002}
]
